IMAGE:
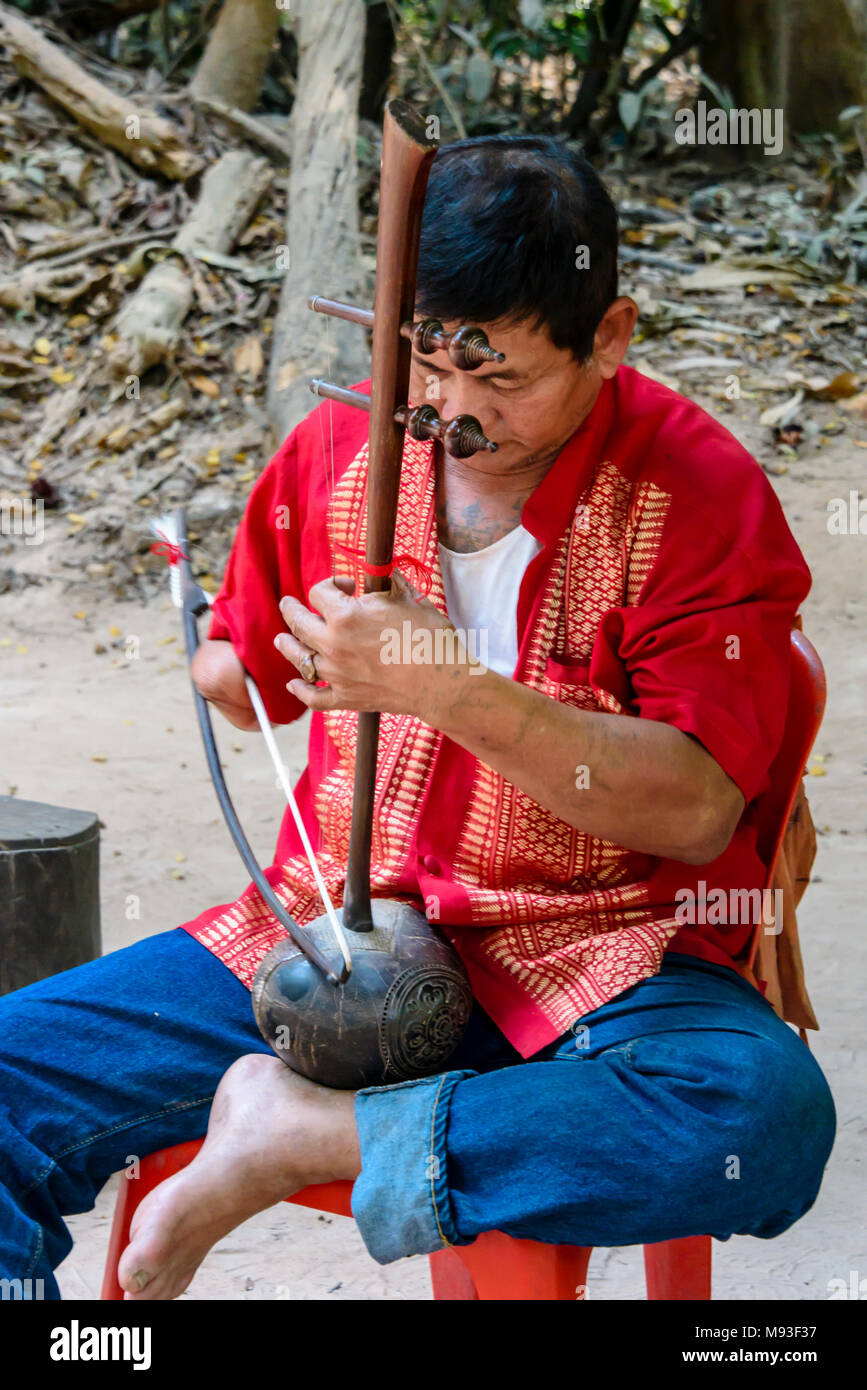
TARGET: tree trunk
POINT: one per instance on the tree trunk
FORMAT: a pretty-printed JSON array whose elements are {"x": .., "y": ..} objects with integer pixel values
[
  {"x": 801, "y": 55},
  {"x": 234, "y": 62},
  {"x": 607, "y": 42},
  {"x": 322, "y": 233}
]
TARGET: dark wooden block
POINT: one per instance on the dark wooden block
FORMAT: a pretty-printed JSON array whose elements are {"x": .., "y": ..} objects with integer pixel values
[{"x": 49, "y": 890}]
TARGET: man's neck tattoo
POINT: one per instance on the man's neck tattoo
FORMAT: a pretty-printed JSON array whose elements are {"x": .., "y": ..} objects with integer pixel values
[{"x": 472, "y": 527}]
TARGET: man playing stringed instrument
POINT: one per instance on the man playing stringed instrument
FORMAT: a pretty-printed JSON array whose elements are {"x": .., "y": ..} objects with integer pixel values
[{"x": 625, "y": 570}]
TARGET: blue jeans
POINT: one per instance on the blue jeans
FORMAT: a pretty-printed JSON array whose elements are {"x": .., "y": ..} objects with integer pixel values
[{"x": 682, "y": 1107}]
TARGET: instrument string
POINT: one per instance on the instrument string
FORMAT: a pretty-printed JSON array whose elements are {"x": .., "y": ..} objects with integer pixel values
[
  {"x": 331, "y": 488},
  {"x": 329, "y": 474}
]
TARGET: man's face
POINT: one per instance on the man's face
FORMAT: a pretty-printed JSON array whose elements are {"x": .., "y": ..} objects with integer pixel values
[{"x": 529, "y": 404}]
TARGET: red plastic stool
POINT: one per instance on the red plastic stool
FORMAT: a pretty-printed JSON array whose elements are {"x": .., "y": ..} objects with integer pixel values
[{"x": 495, "y": 1266}]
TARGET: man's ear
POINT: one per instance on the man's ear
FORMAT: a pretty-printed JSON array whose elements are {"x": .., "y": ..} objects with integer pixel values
[{"x": 613, "y": 335}]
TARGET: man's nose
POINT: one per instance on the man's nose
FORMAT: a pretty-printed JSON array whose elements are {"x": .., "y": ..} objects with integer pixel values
[{"x": 462, "y": 394}]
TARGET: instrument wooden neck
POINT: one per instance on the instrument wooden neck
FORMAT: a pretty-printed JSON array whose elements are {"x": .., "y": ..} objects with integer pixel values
[{"x": 407, "y": 155}]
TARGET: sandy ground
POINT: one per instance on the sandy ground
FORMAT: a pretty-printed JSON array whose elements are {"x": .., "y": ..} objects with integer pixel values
[{"x": 102, "y": 732}]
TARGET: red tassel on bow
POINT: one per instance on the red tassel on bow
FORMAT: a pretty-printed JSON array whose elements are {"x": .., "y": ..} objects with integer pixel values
[{"x": 164, "y": 546}]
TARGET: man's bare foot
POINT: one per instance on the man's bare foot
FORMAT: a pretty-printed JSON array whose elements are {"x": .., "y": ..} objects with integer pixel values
[{"x": 271, "y": 1132}]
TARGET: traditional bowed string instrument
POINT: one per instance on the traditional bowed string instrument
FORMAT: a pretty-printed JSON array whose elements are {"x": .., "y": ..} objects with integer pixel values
[{"x": 373, "y": 993}]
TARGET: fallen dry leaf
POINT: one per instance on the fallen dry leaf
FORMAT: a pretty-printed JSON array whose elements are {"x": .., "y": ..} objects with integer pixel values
[
  {"x": 249, "y": 359},
  {"x": 206, "y": 385},
  {"x": 843, "y": 384}
]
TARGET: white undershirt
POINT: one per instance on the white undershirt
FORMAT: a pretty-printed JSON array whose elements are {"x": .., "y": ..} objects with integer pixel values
[{"x": 481, "y": 590}]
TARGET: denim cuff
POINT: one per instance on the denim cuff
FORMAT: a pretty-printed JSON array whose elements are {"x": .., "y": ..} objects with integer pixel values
[{"x": 401, "y": 1199}]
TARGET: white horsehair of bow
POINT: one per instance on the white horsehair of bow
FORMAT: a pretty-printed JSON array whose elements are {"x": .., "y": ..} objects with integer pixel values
[{"x": 166, "y": 529}]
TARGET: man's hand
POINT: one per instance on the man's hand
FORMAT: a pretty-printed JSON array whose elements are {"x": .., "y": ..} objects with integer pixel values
[
  {"x": 219, "y": 678},
  {"x": 361, "y": 645}
]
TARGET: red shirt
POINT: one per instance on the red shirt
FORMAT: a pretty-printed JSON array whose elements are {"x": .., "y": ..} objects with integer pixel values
[{"x": 665, "y": 589}]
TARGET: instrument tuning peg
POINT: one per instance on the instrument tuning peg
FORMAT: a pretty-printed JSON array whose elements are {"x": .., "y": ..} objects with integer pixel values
[
  {"x": 460, "y": 437},
  {"x": 467, "y": 347}
]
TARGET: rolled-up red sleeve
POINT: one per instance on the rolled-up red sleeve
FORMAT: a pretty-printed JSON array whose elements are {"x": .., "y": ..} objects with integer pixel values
[
  {"x": 707, "y": 647},
  {"x": 264, "y": 564}
]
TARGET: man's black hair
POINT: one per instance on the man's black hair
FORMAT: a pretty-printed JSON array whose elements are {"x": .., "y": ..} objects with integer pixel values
[{"x": 505, "y": 219}]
